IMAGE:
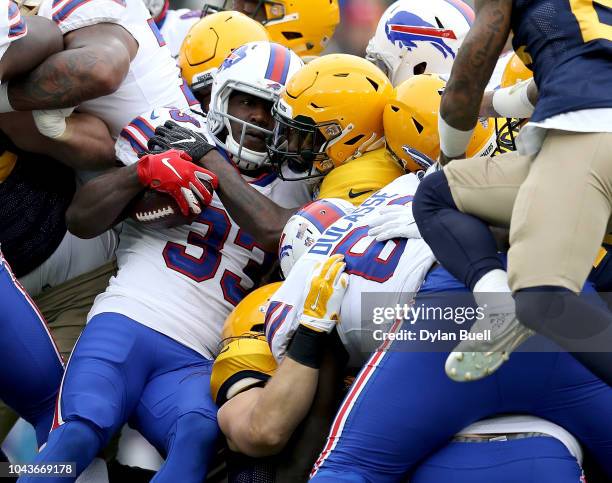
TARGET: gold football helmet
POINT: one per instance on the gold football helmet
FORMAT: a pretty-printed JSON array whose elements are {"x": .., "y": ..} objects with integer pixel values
[
  {"x": 305, "y": 26},
  {"x": 245, "y": 360},
  {"x": 411, "y": 124},
  {"x": 211, "y": 40},
  {"x": 330, "y": 112},
  {"x": 515, "y": 71}
]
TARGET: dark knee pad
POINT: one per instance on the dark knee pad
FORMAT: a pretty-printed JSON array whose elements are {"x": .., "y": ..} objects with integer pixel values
[
  {"x": 432, "y": 195},
  {"x": 538, "y": 305}
]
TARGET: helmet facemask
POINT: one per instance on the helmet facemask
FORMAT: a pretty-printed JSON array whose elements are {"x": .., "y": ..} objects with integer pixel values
[
  {"x": 221, "y": 120},
  {"x": 506, "y": 131},
  {"x": 301, "y": 145},
  {"x": 265, "y": 11}
]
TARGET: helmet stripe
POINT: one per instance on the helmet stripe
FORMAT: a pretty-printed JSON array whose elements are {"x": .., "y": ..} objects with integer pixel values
[
  {"x": 425, "y": 31},
  {"x": 321, "y": 214},
  {"x": 278, "y": 64},
  {"x": 465, "y": 10}
]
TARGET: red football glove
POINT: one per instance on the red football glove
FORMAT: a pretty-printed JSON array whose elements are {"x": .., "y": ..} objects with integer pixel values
[{"x": 173, "y": 172}]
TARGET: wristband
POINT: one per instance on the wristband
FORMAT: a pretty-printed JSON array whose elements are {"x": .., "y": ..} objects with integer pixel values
[
  {"x": 5, "y": 104},
  {"x": 513, "y": 101},
  {"x": 307, "y": 347},
  {"x": 453, "y": 142}
]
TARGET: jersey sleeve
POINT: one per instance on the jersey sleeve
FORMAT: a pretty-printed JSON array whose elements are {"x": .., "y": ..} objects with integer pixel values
[
  {"x": 285, "y": 308},
  {"x": 12, "y": 26},
  {"x": 133, "y": 138},
  {"x": 71, "y": 15}
]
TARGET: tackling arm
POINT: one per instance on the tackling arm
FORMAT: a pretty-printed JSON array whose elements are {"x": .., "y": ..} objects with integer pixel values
[
  {"x": 94, "y": 63},
  {"x": 43, "y": 40},
  {"x": 87, "y": 144},
  {"x": 260, "y": 421},
  {"x": 254, "y": 213},
  {"x": 472, "y": 70}
]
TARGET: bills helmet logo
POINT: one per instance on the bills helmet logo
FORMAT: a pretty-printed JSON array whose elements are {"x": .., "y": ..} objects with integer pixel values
[
  {"x": 407, "y": 29},
  {"x": 235, "y": 57}
]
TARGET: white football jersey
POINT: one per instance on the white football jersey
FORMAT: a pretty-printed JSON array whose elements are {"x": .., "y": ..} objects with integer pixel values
[
  {"x": 392, "y": 271},
  {"x": 175, "y": 25},
  {"x": 12, "y": 26},
  {"x": 153, "y": 79},
  {"x": 184, "y": 281}
]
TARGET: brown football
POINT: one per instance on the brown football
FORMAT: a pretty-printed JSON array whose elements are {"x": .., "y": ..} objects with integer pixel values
[{"x": 159, "y": 210}]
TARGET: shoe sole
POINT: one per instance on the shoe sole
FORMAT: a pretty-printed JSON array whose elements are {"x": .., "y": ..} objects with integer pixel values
[{"x": 472, "y": 366}]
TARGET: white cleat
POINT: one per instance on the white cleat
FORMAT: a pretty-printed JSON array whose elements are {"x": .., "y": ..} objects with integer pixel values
[{"x": 474, "y": 359}]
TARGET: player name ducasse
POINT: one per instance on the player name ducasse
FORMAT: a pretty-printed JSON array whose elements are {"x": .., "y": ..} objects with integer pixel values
[{"x": 424, "y": 335}]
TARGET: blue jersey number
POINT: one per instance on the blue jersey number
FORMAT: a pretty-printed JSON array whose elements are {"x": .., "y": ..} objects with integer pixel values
[
  {"x": 376, "y": 261},
  {"x": 205, "y": 266}
]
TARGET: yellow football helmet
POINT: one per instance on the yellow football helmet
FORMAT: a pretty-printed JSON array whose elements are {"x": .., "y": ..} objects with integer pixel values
[
  {"x": 411, "y": 124},
  {"x": 245, "y": 359},
  {"x": 515, "y": 71},
  {"x": 211, "y": 40},
  {"x": 330, "y": 112},
  {"x": 304, "y": 26}
]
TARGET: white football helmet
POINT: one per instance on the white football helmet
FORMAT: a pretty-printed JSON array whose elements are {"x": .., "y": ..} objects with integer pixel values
[
  {"x": 305, "y": 227},
  {"x": 419, "y": 37},
  {"x": 257, "y": 68}
]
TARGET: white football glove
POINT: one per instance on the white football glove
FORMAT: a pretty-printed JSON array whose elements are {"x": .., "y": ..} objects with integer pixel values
[
  {"x": 326, "y": 288},
  {"x": 394, "y": 221},
  {"x": 52, "y": 122}
]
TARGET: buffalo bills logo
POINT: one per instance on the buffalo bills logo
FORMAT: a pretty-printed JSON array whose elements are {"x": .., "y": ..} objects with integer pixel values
[
  {"x": 235, "y": 57},
  {"x": 275, "y": 86},
  {"x": 406, "y": 29}
]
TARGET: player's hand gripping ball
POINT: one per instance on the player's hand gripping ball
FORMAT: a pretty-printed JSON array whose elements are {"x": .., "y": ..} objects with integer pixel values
[
  {"x": 326, "y": 289},
  {"x": 179, "y": 190}
]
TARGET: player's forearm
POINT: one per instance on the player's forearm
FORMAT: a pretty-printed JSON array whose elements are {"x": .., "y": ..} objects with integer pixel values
[
  {"x": 87, "y": 144},
  {"x": 280, "y": 408},
  {"x": 474, "y": 64},
  {"x": 516, "y": 101},
  {"x": 256, "y": 214},
  {"x": 43, "y": 39},
  {"x": 99, "y": 204},
  {"x": 87, "y": 69}
]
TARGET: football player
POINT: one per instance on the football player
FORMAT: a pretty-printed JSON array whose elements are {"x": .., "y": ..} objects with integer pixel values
[
  {"x": 404, "y": 400},
  {"x": 304, "y": 26},
  {"x": 320, "y": 135},
  {"x": 156, "y": 329},
  {"x": 554, "y": 194},
  {"x": 207, "y": 45},
  {"x": 260, "y": 421}
]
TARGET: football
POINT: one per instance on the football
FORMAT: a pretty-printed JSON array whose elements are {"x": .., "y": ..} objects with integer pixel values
[{"x": 159, "y": 210}]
